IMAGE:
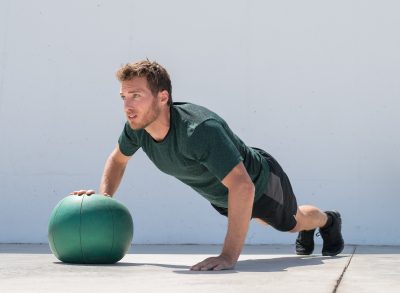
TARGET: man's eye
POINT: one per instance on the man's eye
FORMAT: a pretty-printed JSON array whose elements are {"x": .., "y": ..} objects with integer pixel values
[
  {"x": 122, "y": 97},
  {"x": 136, "y": 96}
]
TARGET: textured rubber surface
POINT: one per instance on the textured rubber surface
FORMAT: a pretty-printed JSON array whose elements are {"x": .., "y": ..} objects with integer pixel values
[{"x": 90, "y": 229}]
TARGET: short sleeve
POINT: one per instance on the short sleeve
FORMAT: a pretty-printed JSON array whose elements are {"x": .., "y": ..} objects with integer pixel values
[
  {"x": 211, "y": 145},
  {"x": 128, "y": 141}
]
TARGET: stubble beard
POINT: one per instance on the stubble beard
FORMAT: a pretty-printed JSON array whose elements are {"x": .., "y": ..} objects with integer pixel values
[{"x": 149, "y": 117}]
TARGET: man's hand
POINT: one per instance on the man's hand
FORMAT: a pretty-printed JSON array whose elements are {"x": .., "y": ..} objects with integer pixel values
[
  {"x": 240, "y": 202},
  {"x": 87, "y": 192},
  {"x": 218, "y": 263}
]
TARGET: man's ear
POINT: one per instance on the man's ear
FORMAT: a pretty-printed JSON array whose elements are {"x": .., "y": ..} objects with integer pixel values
[{"x": 164, "y": 96}]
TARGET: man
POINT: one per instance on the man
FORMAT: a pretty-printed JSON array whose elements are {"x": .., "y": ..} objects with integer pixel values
[{"x": 197, "y": 146}]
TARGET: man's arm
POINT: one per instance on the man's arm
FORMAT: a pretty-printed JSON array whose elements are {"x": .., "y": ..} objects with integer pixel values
[
  {"x": 240, "y": 204},
  {"x": 113, "y": 171}
]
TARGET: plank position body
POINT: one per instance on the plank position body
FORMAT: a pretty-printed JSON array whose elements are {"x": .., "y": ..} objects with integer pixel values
[{"x": 196, "y": 146}]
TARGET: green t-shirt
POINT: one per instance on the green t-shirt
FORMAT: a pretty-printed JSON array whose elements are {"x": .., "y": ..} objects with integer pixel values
[{"x": 200, "y": 150}]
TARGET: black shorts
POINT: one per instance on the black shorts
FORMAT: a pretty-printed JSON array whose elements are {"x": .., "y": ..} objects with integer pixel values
[{"x": 278, "y": 205}]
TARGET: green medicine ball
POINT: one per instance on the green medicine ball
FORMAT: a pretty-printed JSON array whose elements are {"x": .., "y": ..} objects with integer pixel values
[{"x": 90, "y": 229}]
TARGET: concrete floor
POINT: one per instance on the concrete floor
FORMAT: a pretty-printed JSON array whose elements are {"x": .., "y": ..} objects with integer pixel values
[{"x": 165, "y": 268}]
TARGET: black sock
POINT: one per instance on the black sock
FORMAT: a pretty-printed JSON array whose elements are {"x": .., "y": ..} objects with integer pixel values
[{"x": 328, "y": 222}]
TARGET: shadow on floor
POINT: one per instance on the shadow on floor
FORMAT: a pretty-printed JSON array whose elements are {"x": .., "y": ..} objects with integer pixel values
[{"x": 278, "y": 264}]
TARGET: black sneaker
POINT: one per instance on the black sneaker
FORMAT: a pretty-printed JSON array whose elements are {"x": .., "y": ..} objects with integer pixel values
[
  {"x": 332, "y": 235},
  {"x": 305, "y": 242}
]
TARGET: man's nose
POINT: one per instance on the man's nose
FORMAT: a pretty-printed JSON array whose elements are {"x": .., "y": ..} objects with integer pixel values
[{"x": 127, "y": 104}]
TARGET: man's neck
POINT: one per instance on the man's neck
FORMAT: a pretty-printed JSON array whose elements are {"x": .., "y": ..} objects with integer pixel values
[{"x": 158, "y": 130}]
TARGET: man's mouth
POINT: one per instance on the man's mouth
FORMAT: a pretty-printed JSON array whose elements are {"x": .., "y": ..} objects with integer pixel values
[{"x": 132, "y": 116}]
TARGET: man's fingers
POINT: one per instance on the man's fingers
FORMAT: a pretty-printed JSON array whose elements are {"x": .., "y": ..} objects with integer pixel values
[
  {"x": 76, "y": 192},
  {"x": 213, "y": 263},
  {"x": 83, "y": 191},
  {"x": 198, "y": 266},
  {"x": 219, "y": 267},
  {"x": 208, "y": 264}
]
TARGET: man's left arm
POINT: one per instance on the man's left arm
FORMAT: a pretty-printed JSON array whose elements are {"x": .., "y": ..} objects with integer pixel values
[{"x": 240, "y": 203}]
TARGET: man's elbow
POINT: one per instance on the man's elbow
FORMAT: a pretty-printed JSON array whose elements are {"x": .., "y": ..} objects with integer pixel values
[
  {"x": 247, "y": 188},
  {"x": 251, "y": 188}
]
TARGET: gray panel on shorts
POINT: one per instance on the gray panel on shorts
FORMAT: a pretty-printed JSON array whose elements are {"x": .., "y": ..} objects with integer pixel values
[{"x": 274, "y": 188}]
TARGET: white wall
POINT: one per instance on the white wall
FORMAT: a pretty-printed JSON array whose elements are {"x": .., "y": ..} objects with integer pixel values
[{"x": 315, "y": 83}]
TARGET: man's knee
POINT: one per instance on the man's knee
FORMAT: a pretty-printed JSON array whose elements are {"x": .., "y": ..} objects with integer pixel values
[
  {"x": 300, "y": 218},
  {"x": 296, "y": 229}
]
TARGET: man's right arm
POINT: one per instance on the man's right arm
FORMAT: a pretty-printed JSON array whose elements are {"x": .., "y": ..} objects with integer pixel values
[{"x": 113, "y": 172}]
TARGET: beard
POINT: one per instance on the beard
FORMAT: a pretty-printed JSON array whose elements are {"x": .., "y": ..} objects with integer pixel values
[{"x": 147, "y": 118}]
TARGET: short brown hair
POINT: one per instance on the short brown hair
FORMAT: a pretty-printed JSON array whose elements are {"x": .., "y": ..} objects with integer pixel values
[{"x": 156, "y": 75}]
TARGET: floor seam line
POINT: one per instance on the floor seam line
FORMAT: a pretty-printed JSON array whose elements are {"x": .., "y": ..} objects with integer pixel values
[{"x": 344, "y": 270}]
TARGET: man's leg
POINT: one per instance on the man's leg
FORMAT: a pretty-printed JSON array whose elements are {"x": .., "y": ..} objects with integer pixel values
[
  {"x": 329, "y": 223},
  {"x": 278, "y": 207},
  {"x": 308, "y": 218}
]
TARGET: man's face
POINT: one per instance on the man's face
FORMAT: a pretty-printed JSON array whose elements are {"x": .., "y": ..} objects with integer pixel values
[{"x": 140, "y": 106}]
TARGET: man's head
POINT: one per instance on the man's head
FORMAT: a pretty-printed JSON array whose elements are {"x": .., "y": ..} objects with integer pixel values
[
  {"x": 146, "y": 91},
  {"x": 157, "y": 77}
]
